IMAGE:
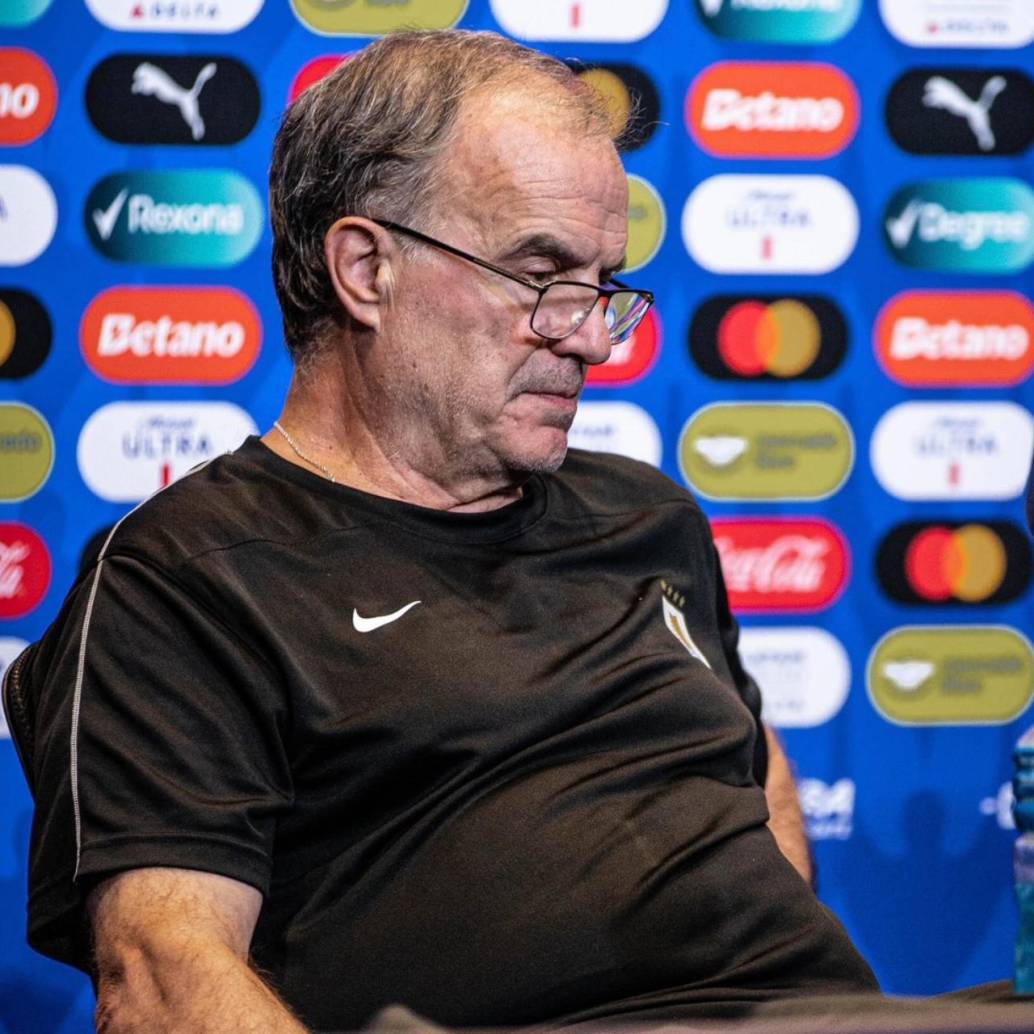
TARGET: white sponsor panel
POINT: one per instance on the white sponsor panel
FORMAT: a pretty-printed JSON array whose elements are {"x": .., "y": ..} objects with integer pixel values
[
  {"x": 953, "y": 450},
  {"x": 804, "y": 674},
  {"x": 620, "y": 427},
  {"x": 128, "y": 450},
  {"x": 960, "y": 23},
  {"x": 210, "y": 16},
  {"x": 1000, "y": 806},
  {"x": 770, "y": 224},
  {"x": 10, "y": 647},
  {"x": 28, "y": 215},
  {"x": 606, "y": 21},
  {"x": 828, "y": 808}
]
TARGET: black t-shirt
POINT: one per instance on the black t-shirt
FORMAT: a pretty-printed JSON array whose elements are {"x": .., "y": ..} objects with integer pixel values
[{"x": 497, "y": 767}]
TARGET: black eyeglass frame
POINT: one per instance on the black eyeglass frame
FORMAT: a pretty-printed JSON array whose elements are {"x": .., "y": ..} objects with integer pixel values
[{"x": 606, "y": 292}]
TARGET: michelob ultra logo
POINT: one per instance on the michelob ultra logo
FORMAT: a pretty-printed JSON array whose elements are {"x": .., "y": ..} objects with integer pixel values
[
  {"x": 953, "y": 562},
  {"x": 28, "y": 215},
  {"x": 972, "y": 23},
  {"x": 619, "y": 427},
  {"x": 962, "y": 225},
  {"x": 768, "y": 337},
  {"x": 25, "y": 569},
  {"x": 25, "y": 334},
  {"x": 216, "y": 16},
  {"x": 768, "y": 109},
  {"x": 605, "y": 21},
  {"x": 632, "y": 359},
  {"x": 779, "y": 21},
  {"x": 944, "y": 338},
  {"x": 203, "y": 217},
  {"x": 26, "y": 451},
  {"x": 170, "y": 335},
  {"x": 951, "y": 675},
  {"x": 28, "y": 96},
  {"x": 630, "y": 97},
  {"x": 375, "y": 17},
  {"x": 646, "y": 224},
  {"x": 766, "y": 451}
]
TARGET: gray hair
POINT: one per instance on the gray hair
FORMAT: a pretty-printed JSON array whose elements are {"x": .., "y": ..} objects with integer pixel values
[{"x": 367, "y": 140}]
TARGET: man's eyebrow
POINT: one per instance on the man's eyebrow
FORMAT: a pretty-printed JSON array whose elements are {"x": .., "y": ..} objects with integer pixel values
[{"x": 548, "y": 246}]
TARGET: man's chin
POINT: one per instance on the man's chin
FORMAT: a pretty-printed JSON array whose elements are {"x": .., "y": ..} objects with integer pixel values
[{"x": 542, "y": 460}]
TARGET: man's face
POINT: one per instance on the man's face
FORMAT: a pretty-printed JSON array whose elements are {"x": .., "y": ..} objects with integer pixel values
[{"x": 519, "y": 190}]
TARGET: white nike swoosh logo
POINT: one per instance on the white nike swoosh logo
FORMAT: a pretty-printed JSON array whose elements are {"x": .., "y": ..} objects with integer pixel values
[
  {"x": 900, "y": 228},
  {"x": 105, "y": 219},
  {"x": 362, "y": 624}
]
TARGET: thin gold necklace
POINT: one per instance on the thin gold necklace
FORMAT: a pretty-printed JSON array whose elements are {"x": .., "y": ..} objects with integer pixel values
[{"x": 301, "y": 455}]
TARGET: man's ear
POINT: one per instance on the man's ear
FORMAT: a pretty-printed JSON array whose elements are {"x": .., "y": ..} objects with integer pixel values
[{"x": 360, "y": 256}]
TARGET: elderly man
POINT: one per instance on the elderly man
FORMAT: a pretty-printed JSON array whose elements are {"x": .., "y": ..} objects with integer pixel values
[{"x": 397, "y": 704}]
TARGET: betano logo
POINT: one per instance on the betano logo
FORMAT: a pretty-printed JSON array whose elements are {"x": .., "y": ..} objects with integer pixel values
[
  {"x": 604, "y": 21},
  {"x": 28, "y": 96},
  {"x": 974, "y": 23},
  {"x": 768, "y": 337},
  {"x": 25, "y": 334},
  {"x": 768, "y": 109},
  {"x": 952, "y": 563},
  {"x": 945, "y": 338},
  {"x": 632, "y": 359},
  {"x": 962, "y": 225},
  {"x": 28, "y": 215},
  {"x": 216, "y": 16},
  {"x": 16, "y": 13},
  {"x": 25, "y": 570},
  {"x": 619, "y": 427},
  {"x": 26, "y": 451},
  {"x": 630, "y": 97},
  {"x": 951, "y": 675},
  {"x": 779, "y": 21},
  {"x": 170, "y": 335},
  {"x": 375, "y": 17},
  {"x": 204, "y": 217},
  {"x": 647, "y": 223}
]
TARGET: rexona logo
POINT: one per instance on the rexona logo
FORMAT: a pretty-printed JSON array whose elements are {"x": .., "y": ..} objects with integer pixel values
[
  {"x": 646, "y": 223},
  {"x": 28, "y": 215},
  {"x": 618, "y": 427},
  {"x": 25, "y": 334},
  {"x": 170, "y": 335},
  {"x": 605, "y": 21},
  {"x": 944, "y": 338},
  {"x": 631, "y": 360},
  {"x": 376, "y": 17},
  {"x": 160, "y": 99},
  {"x": 757, "y": 452},
  {"x": 953, "y": 450},
  {"x": 15, "y": 13},
  {"x": 962, "y": 225},
  {"x": 127, "y": 450},
  {"x": 204, "y": 217},
  {"x": 779, "y": 21},
  {"x": 981, "y": 111},
  {"x": 26, "y": 451},
  {"x": 768, "y": 337},
  {"x": 175, "y": 15},
  {"x": 972, "y": 23},
  {"x": 25, "y": 570},
  {"x": 767, "y": 109},
  {"x": 630, "y": 97},
  {"x": 951, "y": 675},
  {"x": 770, "y": 224},
  {"x": 318, "y": 68},
  {"x": 804, "y": 674},
  {"x": 28, "y": 96},
  {"x": 952, "y": 563},
  {"x": 828, "y": 808}
]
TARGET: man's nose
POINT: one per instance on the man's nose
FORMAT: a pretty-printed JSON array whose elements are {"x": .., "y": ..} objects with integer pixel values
[{"x": 591, "y": 341}]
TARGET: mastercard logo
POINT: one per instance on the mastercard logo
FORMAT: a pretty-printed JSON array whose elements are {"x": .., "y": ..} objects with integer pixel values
[
  {"x": 318, "y": 68},
  {"x": 25, "y": 334},
  {"x": 768, "y": 337},
  {"x": 630, "y": 97},
  {"x": 954, "y": 563},
  {"x": 632, "y": 359},
  {"x": 28, "y": 96}
]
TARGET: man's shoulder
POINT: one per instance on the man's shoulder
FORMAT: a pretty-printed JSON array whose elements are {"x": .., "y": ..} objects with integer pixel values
[{"x": 615, "y": 482}]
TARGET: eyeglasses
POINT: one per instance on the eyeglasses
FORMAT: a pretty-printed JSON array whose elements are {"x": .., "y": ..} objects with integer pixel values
[{"x": 563, "y": 305}]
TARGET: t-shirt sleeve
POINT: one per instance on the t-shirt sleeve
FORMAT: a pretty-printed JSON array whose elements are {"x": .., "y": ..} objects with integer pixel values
[{"x": 160, "y": 742}]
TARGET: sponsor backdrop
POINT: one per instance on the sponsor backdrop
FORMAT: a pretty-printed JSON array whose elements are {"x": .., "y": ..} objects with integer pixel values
[{"x": 831, "y": 200}]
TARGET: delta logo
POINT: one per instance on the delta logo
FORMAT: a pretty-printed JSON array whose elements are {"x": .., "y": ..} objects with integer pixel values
[
  {"x": 376, "y": 17},
  {"x": 779, "y": 21},
  {"x": 207, "y": 16},
  {"x": 602, "y": 21},
  {"x": 768, "y": 109},
  {"x": 630, "y": 97},
  {"x": 204, "y": 217},
  {"x": 768, "y": 337},
  {"x": 947, "y": 338},
  {"x": 25, "y": 570},
  {"x": 972, "y": 23},
  {"x": 318, "y": 68},
  {"x": 954, "y": 563},
  {"x": 25, "y": 334},
  {"x": 630, "y": 360},
  {"x": 170, "y": 335},
  {"x": 28, "y": 96},
  {"x": 28, "y": 215},
  {"x": 780, "y": 565},
  {"x": 26, "y": 451}
]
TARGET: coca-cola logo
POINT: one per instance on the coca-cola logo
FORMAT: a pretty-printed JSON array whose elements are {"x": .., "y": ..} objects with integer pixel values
[
  {"x": 24, "y": 569},
  {"x": 781, "y": 565}
]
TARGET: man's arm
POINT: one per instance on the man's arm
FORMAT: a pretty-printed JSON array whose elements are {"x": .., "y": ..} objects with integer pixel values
[
  {"x": 171, "y": 955},
  {"x": 784, "y": 808}
]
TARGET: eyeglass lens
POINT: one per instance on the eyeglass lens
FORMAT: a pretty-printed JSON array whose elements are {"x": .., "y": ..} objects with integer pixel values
[{"x": 563, "y": 308}]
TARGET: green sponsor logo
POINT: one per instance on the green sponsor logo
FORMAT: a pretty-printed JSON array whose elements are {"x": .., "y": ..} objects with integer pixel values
[
  {"x": 779, "y": 21},
  {"x": 791, "y": 450},
  {"x": 26, "y": 452},
  {"x": 21, "y": 12},
  {"x": 376, "y": 17},
  {"x": 962, "y": 225},
  {"x": 951, "y": 675},
  {"x": 205, "y": 217}
]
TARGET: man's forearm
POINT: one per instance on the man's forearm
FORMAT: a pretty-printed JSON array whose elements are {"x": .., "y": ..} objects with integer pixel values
[{"x": 785, "y": 819}]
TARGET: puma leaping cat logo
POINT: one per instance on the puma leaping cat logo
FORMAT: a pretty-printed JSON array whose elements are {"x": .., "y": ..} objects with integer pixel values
[
  {"x": 943, "y": 93},
  {"x": 151, "y": 81}
]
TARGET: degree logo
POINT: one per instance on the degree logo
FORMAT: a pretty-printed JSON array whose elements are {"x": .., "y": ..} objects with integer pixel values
[
  {"x": 28, "y": 215},
  {"x": 26, "y": 451},
  {"x": 951, "y": 562},
  {"x": 603, "y": 21},
  {"x": 646, "y": 224},
  {"x": 951, "y": 675},
  {"x": 768, "y": 109},
  {"x": 962, "y": 225},
  {"x": 375, "y": 17},
  {"x": 16, "y": 13},
  {"x": 25, "y": 570},
  {"x": 632, "y": 359},
  {"x": 203, "y": 217},
  {"x": 25, "y": 334},
  {"x": 768, "y": 337},
  {"x": 28, "y": 96},
  {"x": 619, "y": 427},
  {"x": 318, "y": 68},
  {"x": 170, "y": 335},
  {"x": 216, "y": 16},
  {"x": 779, "y": 21},
  {"x": 975, "y": 23},
  {"x": 945, "y": 338},
  {"x": 630, "y": 97}
]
